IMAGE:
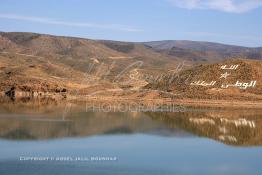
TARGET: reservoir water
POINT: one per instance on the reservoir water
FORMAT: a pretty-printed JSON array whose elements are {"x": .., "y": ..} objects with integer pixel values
[{"x": 49, "y": 139}]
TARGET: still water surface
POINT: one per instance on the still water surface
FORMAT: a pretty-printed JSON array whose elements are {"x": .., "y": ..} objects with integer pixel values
[{"x": 197, "y": 141}]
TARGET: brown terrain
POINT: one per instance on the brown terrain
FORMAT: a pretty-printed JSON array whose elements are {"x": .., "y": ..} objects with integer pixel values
[
  {"x": 183, "y": 83},
  {"x": 44, "y": 64},
  {"x": 38, "y": 65}
]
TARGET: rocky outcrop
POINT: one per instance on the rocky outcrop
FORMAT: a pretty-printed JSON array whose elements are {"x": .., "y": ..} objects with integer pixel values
[{"x": 25, "y": 91}]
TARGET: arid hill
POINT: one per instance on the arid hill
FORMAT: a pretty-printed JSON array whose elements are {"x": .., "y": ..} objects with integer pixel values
[
  {"x": 232, "y": 79},
  {"x": 44, "y": 65}
]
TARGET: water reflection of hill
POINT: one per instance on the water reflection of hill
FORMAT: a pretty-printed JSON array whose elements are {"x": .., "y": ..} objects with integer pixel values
[
  {"x": 233, "y": 127},
  {"x": 75, "y": 125},
  {"x": 31, "y": 121}
]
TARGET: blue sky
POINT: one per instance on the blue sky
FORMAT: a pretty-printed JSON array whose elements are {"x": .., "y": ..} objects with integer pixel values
[{"x": 225, "y": 21}]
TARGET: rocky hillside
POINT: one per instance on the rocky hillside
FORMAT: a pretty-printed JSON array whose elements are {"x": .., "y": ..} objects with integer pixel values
[
  {"x": 36, "y": 64},
  {"x": 78, "y": 52},
  {"x": 40, "y": 64},
  {"x": 231, "y": 79}
]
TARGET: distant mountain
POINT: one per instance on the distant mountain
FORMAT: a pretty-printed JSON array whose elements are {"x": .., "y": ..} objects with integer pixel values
[
  {"x": 195, "y": 45},
  {"x": 216, "y": 50}
]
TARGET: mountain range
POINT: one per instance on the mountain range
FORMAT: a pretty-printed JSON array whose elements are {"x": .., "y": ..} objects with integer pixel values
[
  {"x": 205, "y": 50},
  {"x": 40, "y": 64}
]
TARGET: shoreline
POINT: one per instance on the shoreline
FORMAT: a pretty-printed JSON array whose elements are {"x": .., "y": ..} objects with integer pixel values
[
  {"x": 147, "y": 101},
  {"x": 182, "y": 102}
]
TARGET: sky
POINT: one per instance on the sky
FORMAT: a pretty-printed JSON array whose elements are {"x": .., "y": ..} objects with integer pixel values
[{"x": 237, "y": 22}]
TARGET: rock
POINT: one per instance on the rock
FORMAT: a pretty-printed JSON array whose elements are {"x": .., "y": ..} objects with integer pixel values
[
  {"x": 11, "y": 92},
  {"x": 64, "y": 90}
]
